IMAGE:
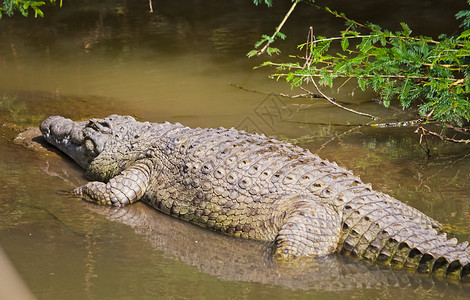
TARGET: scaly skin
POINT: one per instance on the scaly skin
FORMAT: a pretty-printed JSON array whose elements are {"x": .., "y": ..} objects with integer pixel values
[{"x": 250, "y": 186}]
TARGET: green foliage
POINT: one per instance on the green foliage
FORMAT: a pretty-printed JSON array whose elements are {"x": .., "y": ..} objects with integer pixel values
[
  {"x": 465, "y": 15},
  {"x": 267, "y": 2},
  {"x": 9, "y": 7},
  {"x": 266, "y": 39},
  {"x": 433, "y": 75}
]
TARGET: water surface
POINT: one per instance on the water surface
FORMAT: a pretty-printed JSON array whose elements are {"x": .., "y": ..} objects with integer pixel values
[{"x": 185, "y": 63}]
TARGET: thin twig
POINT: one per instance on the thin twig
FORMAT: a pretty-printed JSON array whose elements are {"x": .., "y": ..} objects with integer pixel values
[
  {"x": 410, "y": 123},
  {"x": 308, "y": 58},
  {"x": 280, "y": 94},
  {"x": 340, "y": 38},
  {"x": 311, "y": 95},
  {"x": 458, "y": 129},
  {"x": 456, "y": 80},
  {"x": 426, "y": 149},
  {"x": 277, "y": 29},
  {"x": 447, "y": 165},
  {"x": 425, "y": 131},
  {"x": 332, "y": 101},
  {"x": 343, "y": 84},
  {"x": 365, "y": 26},
  {"x": 247, "y": 90},
  {"x": 335, "y": 137},
  {"x": 308, "y": 54}
]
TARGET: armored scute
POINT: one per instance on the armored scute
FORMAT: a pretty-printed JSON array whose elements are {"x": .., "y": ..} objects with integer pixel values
[{"x": 251, "y": 186}]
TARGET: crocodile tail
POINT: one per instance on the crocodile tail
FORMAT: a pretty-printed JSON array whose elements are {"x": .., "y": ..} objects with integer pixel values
[
  {"x": 442, "y": 259},
  {"x": 396, "y": 236}
]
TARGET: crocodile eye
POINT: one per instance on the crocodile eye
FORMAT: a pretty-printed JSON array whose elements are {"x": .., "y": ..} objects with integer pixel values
[
  {"x": 92, "y": 124},
  {"x": 99, "y": 125}
]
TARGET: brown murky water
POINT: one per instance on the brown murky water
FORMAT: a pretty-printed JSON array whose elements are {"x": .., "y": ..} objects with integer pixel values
[{"x": 182, "y": 64}]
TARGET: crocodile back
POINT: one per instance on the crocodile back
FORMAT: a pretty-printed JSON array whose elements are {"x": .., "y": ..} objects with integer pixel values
[{"x": 238, "y": 183}]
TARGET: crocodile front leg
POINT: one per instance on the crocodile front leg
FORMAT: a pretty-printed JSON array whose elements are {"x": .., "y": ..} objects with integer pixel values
[
  {"x": 312, "y": 228},
  {"x": 123, "y": 189}
]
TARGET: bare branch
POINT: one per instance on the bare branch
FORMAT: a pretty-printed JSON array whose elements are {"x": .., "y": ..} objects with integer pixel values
[
  {"x": 332, "y": 101},
  {"x": 425, "y": 132}
]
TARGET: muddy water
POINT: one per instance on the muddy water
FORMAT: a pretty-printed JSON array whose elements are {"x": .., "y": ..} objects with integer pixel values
[{"x": 185, "y": 63}]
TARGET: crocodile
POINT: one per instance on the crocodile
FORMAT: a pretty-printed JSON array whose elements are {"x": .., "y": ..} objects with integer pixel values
[{"x": 255, "y": 187}]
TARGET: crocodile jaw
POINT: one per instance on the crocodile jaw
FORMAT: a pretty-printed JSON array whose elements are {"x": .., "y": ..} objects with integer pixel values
[{"x": 72, "y": 138}]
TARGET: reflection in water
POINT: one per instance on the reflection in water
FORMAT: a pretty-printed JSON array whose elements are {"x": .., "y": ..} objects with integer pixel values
[
  {"x": 182, "y": 64},
  {"x": 242, "y": 260}
]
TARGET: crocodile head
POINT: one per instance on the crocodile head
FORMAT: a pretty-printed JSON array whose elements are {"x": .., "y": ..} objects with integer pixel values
[{"x": 84, "y": 141}]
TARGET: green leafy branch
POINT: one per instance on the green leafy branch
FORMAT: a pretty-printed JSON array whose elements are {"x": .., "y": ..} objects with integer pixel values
[
  {"x": 269, "y": 3},
  {"x": 432, "y": 75},
  {"x": 23, "y": 6},
  {"x": 266, "y": 39}
]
